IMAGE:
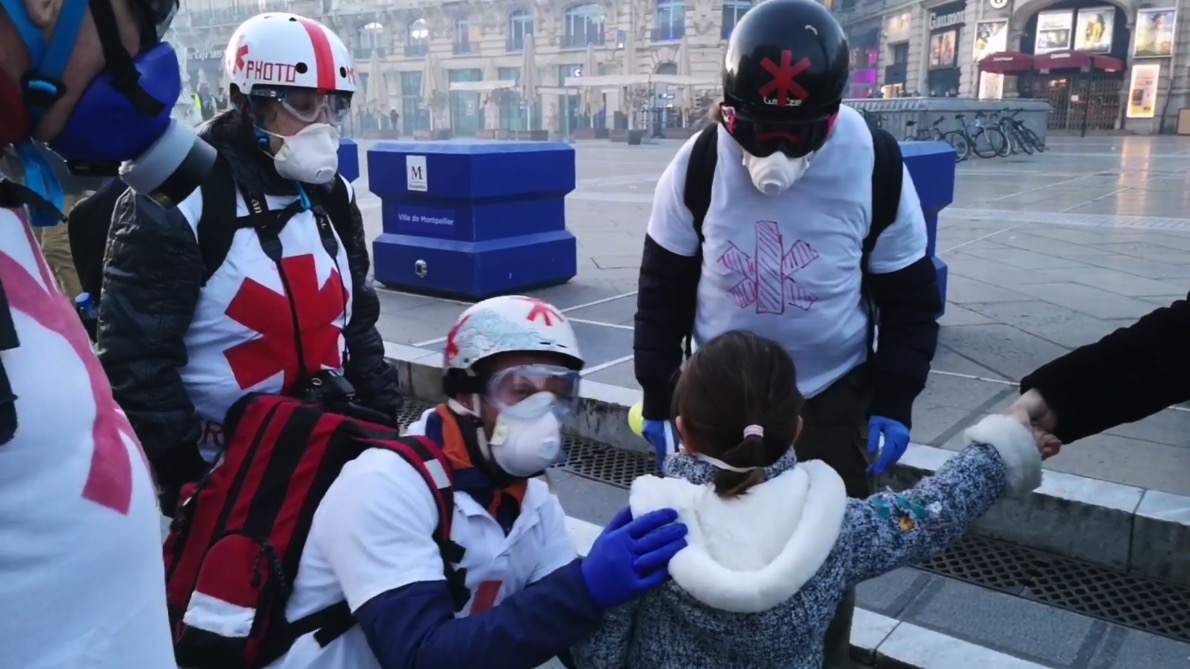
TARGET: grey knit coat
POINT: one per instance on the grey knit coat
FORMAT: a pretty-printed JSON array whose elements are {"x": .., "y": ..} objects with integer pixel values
[{"x": 763, "y": 573}]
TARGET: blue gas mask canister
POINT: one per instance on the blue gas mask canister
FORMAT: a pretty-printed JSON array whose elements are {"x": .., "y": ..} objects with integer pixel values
[{"x": 121, "y": 125}]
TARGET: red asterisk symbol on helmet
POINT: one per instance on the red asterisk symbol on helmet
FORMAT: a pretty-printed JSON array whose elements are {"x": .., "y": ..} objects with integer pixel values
[{"x": 783, "y": 83}]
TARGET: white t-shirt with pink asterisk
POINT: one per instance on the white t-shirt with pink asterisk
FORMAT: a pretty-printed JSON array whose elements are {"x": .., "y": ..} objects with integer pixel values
[
  {"x": 82, "y": 582},
  {"x": 787, "y": 267}
]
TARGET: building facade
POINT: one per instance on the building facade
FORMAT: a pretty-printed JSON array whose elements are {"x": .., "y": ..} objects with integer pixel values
[
  {"x": 1102, "y": 64},
  {"x": 461, "y": 49}
]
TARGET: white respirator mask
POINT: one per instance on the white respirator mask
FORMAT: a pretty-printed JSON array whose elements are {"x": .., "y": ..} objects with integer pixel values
[{"x": 777, "y": 173}]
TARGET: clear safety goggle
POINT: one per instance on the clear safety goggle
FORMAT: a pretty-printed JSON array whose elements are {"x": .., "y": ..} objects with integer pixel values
[
  {"x": 529, "y": 391},
  {"x": 311, "y": 106}
]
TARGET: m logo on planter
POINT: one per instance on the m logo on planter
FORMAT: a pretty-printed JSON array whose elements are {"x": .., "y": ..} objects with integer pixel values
[{"x": 416, "y": 176}]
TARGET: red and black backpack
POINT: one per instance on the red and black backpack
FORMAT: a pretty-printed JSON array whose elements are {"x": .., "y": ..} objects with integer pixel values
[{"x": 234, "y": 545}]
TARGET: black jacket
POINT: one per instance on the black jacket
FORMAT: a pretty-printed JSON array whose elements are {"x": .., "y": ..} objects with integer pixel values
[
  {"x": 151, "y": 283},
  {"x": 908, "y": 302},
  {"x": 1131, "y": 373}
]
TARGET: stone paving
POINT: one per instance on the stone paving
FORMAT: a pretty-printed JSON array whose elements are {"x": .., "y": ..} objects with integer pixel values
[{"x": 1046, "y": 252}]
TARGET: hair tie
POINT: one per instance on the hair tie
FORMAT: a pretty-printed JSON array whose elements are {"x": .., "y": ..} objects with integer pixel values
[{"x": 754, "y": 431}]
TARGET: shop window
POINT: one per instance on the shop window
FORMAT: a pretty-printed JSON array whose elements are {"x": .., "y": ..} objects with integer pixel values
[
  {"x": 733, "y": 11},
  {"x": 583, "y": 26},
  {"x": 671, "y": 20},
  {"x": 520, "y": 28}
]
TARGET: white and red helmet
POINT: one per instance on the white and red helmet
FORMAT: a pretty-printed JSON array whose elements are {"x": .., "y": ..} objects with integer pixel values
[
  {"x": 507, "y": 324},
  {"x": 279, "y": 50}
]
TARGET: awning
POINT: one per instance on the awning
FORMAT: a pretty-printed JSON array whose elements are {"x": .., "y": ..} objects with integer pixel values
[
  {"x": 482, "y": 86},
  {"x": 1006, "y": 62},
  {"x": 616, "y": 80},
  {"x": 1107, "y": 64},
  {"x": 1077, "y": 60}
]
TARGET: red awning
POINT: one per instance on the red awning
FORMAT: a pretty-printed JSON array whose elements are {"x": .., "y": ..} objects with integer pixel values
[
  {"x": 1006, "y": 62},
  {"x": 1077, "y": 60},
  {"x": 1107, "y": 64}
]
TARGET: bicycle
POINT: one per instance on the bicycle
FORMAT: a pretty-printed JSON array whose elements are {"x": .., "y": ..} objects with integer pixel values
[
  {"x": 914, "y": 134},
  {"x": 993, "y": 119},
  {"x": 874, "y": 119},
  {"x": 1020, "y": 133},
  {"x": 994, "y": 142},
  {"x": 1016, "y": 142},
  {"x": 956, "y": 140}
]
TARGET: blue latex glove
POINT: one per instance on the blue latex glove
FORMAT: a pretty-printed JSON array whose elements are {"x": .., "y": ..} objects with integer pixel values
[
  {"x": 660, "y": 434},
  {"x": 895, "y": 442},
  {"x": 632, "y": 557}
]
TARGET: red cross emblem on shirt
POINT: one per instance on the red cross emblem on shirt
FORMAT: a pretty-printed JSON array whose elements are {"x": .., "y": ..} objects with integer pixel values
[{"x": 783, "y": 84}]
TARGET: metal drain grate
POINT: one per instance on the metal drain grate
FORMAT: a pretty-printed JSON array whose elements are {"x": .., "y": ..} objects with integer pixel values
[
  {"x": 1109, "y": 595},
  {"x": 410, "y": 411},
  {"x": 604, "y": 463}
]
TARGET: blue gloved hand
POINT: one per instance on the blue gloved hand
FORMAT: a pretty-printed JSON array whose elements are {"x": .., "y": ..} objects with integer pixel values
[
  {"x": 896, "y": 442},
  {"x": 632, "y": 557},
  {"x": 660, "y": 434}
]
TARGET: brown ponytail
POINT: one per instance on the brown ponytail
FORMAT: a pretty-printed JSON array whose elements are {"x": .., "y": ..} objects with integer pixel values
[
  {"x": 738, "y": 380},
  {"x": 751, "y": 452}
]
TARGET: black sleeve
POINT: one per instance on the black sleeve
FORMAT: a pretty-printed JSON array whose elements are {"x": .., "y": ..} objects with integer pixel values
[
  {"x": 665, "y": 303},
  {"x": 151, "y": 284},
  {"x": 1131, "y": 373},
  {"x": 374, "y": 378},
  {"x": 908, "y": 302},
  {"x": 87, "y": 228}
]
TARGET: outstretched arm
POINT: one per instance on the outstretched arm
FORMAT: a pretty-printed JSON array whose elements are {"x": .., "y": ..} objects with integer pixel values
[
  {"x": 1131, "y": 373},
  {"x": 890, "y": 530}
]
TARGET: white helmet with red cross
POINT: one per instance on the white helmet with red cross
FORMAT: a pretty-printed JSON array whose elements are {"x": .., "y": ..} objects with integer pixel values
[
  {"x": 279, "y": 50},
  {"x": 507, "y": 324}
]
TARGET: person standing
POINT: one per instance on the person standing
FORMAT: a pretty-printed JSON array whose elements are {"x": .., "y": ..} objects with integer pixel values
[
  {"x": 789, "y": 243},
  {"x": 80, "y": 532},
  {"x": 257, "y": 283}
]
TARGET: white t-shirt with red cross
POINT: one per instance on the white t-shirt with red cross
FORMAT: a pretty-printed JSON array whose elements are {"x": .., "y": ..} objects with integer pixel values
[
  {"x": 242, "y": 338},
  {"x": 372, "y": 533},
  {"x": 82, "y": 581}
]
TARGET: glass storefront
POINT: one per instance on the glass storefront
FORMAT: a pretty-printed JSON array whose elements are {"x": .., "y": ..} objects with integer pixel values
[
  {"x": 865, "y": 59},
  {"x": 413, "y": 116},
  {"x": 1081, "y": 47},
  {"x": 515, "y": 114},
  {"x": 466, "y": 109},
  {"x": 943, "y": 73}
]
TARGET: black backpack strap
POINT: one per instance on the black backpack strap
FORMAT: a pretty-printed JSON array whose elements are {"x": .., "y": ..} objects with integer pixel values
[
  {"x": 431, "y": 463},
  {"x": 700, "y": 176},
  {"x": 217, "y": 223},
  {"x": 887, "y": 180},
  {"x": 332, "y": 211}
]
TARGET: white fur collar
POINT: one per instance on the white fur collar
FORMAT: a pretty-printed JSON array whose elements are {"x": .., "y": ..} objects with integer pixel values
[{"x": 751, "y": 553}]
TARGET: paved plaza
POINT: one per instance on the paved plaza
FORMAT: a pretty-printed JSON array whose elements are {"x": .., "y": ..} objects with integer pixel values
[{"x": 1046, "y": 252}]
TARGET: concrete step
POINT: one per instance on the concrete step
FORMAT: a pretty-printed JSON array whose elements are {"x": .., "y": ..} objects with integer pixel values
[
  {"x": 1116, "y": 526},
  {"x": 911, "y": 618}
]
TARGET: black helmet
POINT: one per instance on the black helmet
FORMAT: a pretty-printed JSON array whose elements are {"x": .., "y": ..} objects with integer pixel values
[{"x": 783, "y": 77}]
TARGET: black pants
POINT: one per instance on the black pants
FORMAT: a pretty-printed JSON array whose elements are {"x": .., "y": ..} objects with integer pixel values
[{"x": 835, "y": 430}]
